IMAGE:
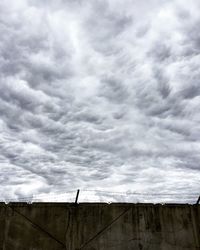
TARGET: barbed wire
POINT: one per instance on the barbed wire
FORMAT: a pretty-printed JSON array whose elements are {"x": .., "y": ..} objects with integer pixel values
[
  {"x": 103, "y": 194},
  {"x": 135, "y": 193},
  {"x": 38, "y": 196}
]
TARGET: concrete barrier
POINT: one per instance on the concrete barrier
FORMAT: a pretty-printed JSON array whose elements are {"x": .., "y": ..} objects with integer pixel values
[{"x": 99, "y": 226}]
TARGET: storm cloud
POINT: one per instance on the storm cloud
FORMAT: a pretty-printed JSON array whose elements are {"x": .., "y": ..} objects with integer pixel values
[{"x": 100, "y": 95}]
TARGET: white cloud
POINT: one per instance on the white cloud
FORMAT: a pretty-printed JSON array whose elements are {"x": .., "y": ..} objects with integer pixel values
[{"x": 99, "y": 94}]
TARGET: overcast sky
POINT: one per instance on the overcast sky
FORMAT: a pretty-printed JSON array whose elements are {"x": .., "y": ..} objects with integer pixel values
[{"x": 99, "y": 94}]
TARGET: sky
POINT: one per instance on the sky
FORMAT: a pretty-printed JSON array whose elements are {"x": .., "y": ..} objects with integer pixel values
[{"x": 99, "y": 95}]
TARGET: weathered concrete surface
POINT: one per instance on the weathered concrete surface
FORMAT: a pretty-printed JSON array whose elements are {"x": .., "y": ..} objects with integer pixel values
[{"x": 90, "y": 226}]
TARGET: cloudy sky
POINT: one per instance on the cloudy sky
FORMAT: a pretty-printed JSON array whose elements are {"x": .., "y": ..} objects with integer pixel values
[{"x": 99, "y": 94}]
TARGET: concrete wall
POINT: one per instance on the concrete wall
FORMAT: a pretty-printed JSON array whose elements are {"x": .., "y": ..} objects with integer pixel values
[{"x": 56, "y": 226}]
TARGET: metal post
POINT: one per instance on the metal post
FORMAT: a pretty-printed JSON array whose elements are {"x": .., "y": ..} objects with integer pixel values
[
  {"x": 77, "y": 194},
  {"x": 198, "y": 200}
]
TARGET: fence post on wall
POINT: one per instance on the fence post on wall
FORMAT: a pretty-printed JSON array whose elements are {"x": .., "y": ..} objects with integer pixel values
[{"x": 77, "y": 194}]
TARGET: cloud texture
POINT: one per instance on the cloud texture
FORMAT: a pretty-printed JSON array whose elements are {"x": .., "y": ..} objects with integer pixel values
[{"x": 100, "y": 94}]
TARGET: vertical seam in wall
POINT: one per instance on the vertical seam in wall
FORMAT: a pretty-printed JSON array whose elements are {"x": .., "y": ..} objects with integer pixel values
[
  {"x": 5, "y": 228},
  {"x": 195, "y": 225},
  {"x": 68, "y": 226}
]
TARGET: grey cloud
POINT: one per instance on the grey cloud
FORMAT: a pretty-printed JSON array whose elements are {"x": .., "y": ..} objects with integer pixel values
[
  {"x": 191, "y": 91},
  {"x": 91, "y": 94},
  {"x": 114, "y": 90},
  {"x": 160, "y": 51}
]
